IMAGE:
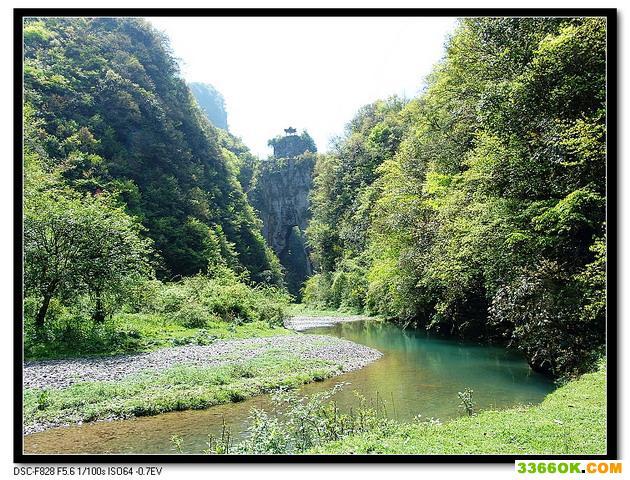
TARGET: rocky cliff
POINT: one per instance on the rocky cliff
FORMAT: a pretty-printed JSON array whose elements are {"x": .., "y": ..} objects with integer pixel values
[
  {"x": 280, "y": 194},
  {"x": 281, "y": 197}
]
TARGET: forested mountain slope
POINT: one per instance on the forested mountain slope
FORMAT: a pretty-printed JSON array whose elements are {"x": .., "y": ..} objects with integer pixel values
[
  {"x": 114, "y": 115},
  {"x": 211, "y": 102}
]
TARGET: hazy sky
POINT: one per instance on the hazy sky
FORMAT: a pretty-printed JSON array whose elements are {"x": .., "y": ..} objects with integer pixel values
[{"x": 309, "y": 73}]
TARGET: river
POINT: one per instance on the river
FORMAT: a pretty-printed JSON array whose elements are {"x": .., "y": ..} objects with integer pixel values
[{"x": 417, "y": 375}]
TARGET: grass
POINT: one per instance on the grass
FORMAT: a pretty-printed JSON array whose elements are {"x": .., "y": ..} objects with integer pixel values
[
  {"x": 571, "y": 420},
  {"x": 137, "y": 332},
  {"x": 143, "y": 332},
  {"x": 160, "y": 331},
  {"x": 179, "y": 388}
]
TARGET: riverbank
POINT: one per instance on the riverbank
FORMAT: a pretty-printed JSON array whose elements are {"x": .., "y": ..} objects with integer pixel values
[
  {"x": 129, "y": 333},
  {"x": 302, "y": 317},
  {"x": 63, "y": 392},
  {"x": 301, "y": 323},
  {"x": 571, "y": 420}
]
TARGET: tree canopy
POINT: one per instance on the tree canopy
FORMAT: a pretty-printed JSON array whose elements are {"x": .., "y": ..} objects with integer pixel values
[
  {"x": 478, "y": 208},
  {"x": 117, "y": 117}
]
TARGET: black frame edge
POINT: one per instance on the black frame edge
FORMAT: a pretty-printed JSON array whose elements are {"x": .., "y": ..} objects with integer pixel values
[
  {"x": 18, "y": 284},
  {"x": 612, "y": 231}
]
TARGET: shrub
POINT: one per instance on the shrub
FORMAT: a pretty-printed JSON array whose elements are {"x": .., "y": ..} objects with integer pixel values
[
  {"x": 158, "y": 310},
  {"x": 466, "y": 401},
  {"x": 299, "y": 423},
  {"x": 349, "y": 289},
  {"x": 70, "y": 330},
  {"x": 196, "y": 301},
  {"x": 345, "y": 288},
  {"x": 192, "y": 315},
  {"x": 222, "y": 296},
  {"x": 542, "y": 311},
  {"x": 317, "y": 291}
]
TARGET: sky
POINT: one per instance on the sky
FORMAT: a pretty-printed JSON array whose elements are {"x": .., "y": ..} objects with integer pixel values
[{"x": 309, "y": 73}]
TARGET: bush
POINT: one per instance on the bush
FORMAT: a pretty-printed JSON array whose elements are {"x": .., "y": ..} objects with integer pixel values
[
  {"x": 155, "y": 314},
  {"x": 345, "y": 288},
  {"x": 317, "y": 291},
  {"x": 542, "y": 311},
  {"x": 383, "y": 296},
  {"x": 299, "y": 423},
  {"x": 196, "y": 301},
  {"x": 193, "y": 316},
  {"x": 70, "y": 330}
]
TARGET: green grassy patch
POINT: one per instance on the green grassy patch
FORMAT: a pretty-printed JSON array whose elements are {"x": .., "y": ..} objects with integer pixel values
[
  {"x": 138, "y": 332},
  {"x": 179, "y": 388},
  {"x": 571, "y": 420}
]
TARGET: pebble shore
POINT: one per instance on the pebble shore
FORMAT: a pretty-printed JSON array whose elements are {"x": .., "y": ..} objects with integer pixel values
[{"x": 63, "y": 373}]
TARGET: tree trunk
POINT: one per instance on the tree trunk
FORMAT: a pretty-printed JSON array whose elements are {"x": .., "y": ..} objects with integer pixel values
[
  {"x": 41, "y": 314},
  {"x": 99, "y": 313}
]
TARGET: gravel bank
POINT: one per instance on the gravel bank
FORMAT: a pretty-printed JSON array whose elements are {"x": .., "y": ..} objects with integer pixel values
[
  {"x": 300, "y": 323},
  {"x": 63, "y": 373}
]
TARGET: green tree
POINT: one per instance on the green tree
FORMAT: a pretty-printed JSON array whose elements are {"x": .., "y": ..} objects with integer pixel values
[
  {"x": 478, "y": 208},
  {"x": 75, "y": 243}
]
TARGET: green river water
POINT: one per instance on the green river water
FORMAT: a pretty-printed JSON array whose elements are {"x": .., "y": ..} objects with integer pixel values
[{"x": 417, "y": 375}]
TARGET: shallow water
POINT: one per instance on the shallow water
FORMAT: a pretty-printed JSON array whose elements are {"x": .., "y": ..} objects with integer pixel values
[{"x": 417, "y": 375}]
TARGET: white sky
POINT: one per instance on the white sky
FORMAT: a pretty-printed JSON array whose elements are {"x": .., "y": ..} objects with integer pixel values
[{"x": 309, "y": 73}]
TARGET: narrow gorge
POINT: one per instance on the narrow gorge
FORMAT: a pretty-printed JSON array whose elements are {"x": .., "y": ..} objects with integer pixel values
[{"x": 422, "y": 281}]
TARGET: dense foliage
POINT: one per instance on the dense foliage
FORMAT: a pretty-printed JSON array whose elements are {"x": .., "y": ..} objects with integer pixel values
[
  {"x": 478, "y": 208},
  {"x": 124, "y": 178},
  {"x": 148, "y": 314},
  {"x": 203, "y": 299},
  {"x": 342, "y": 199},
  {"x": 116, "y": 117}
]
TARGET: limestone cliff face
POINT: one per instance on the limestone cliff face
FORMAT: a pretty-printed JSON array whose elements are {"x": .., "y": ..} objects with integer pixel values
[
  {"x": 280, "y": 194},
  {"x": 288, "y": 147},
  {"x": 281, "y": 197}
]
